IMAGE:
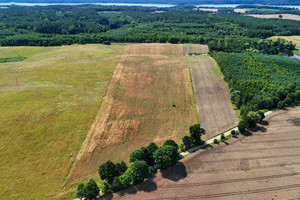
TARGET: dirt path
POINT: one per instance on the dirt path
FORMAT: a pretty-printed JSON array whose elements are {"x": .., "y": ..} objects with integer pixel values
[
  {"x": 263, "y": 164},
  {"x": 214, "y": 108},
  {"x": 149, "y": 99}
]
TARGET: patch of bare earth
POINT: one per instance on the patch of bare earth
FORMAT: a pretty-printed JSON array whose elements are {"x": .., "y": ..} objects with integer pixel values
[
  {"x": 263, "y": 164},
  {"x": 209, "y": 9},
  {"x": 284, "y": 16},
  {"x": 214, "y": 108},
  {"x": 138, "y": 107},
  {"x": 240, "y": 10}
]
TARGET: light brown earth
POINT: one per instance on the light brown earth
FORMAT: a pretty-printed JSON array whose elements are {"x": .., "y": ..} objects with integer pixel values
[
  {"x": 294, "y": 38},
  {"x": 264, "y": 164},
  {"x": 284, "y": 16},
  {"x": 215, "y": 111},
  {"x": 195, "y": 49},
  {"x": 209, "y": 9},
  {"x": 138, "y": 107},
  {"x": 240, "y": 10}
]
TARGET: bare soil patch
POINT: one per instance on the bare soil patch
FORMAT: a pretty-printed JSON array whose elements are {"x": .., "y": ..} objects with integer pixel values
[
  {"x": 195, "y": 49},
  {"x": 209, "y": 9},
  {"x": 284, "y": 16},
  {"x": 264, "y": 165},
  {"x": 240, "y": 10},
  {"x": 138, "y": 107},
  {"x": 214, "y": 108}
]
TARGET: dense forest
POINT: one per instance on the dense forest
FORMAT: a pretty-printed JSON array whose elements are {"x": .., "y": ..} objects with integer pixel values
[
  {"x": 59, "y": 25},
  {"x": 176, "y": 2}
]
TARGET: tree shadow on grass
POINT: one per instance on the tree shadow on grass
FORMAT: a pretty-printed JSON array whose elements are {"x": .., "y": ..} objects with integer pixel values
[{"x": 175, "y": 173}]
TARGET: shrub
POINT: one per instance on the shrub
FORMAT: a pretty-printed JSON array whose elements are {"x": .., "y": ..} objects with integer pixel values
[
  {"x": 182, "y": 148},
  {"x": 297, "y": 94},
  {"x": 126, "y": 179},
  {"x": 223, "y": 137},
  {"x": 252, "y": 118},
  {"x": 281, "y": 104},
  {"x": 216, "y": 141},
  {"x": 232, "y": 132},
  {"x": 116, "y": 185},
  {"x": 288, "y": 100},
  {"x": 152, "y": 171},
  {"x": 196, "y": 132},
  {"x": 151, "y": 148},
  {"x": 140, "y": 154},
  {"x": 107, "y": 171},
  {"x": 171, "y": 143},
  {"x": 139, "y": 171},
  {"x": 262, "y": 115},
  {"x": 104, "y": 188},
  {"x": 121, "y": 168},
  {"x": 106, "y": 43},
  {"x": 242, "y": 126},
  {"x": 166, "y": 156},
  {"x": 188, "y": 142},
  {"x": 88, "y": 191}
]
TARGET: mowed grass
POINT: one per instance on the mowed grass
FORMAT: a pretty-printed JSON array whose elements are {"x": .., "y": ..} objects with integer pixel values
[{"x": 48, "y": 102}]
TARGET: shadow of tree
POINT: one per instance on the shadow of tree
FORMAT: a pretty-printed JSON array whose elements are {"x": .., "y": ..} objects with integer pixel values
[{"x": 175, "y": 173}]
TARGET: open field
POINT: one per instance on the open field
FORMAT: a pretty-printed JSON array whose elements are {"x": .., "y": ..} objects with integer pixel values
[
  {"x": 237, "y": 10},
  {"x": 149, "y": 99},
  {"x": 263, "y": 164},
  {"x": 48, "y": 102},
  {"x": 295, "y": 39},
  {"x": 284, "y": 16},
  {"x": 214, "y": 108}
]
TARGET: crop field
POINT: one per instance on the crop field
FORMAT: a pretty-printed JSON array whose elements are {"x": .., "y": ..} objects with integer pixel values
[
  {"x": 263, "y": 164},
  {"x": 149, "y": 99},
  {"x": 48, "y": 102},
  {"x": 215, "y": 111},
  {"x": 284, "y": 16}
]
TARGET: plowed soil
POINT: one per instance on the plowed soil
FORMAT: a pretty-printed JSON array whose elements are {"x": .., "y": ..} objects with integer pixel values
[
  {"x": 149, "y": 99},
  {"x": 215, "y": 111},
  {"x": 263, "y": 164}
]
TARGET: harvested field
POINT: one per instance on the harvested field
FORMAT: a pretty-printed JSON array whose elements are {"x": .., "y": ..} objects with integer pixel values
[
  {"x": 263, "y": 164},
  {"x": 195, "y": 49},
  {"x": 284, "y": 16},
  {"x": 138, "y": 107},
  {"x": 240, "y": 10},
  {"x": 209, "y": 9},
  {"x": 214, "y": 108},
  {"x": 295, "y": 39},
  {"x": 48, "y": 103}
]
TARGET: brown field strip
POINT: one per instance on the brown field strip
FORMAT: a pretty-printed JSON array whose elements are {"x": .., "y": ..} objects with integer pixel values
[
  {"x": 284, "y": 16},
  {"x": 215, "y": 111},
  {"x": 138, "y": 107},
  {"x": 232, "y": 170}
]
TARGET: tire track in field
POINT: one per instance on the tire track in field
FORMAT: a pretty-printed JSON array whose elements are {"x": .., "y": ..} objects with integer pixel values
[{"x": 229, "y": 181}]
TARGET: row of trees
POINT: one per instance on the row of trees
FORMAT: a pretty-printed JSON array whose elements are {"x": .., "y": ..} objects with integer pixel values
[{"x": 144, "y": 163}]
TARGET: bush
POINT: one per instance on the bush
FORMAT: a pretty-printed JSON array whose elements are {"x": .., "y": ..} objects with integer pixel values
[
  {"x": 288, "y": 100},
  {"x": 216, "y": 141},
  {"x": 107, "y": 171},
  {"x": 140, "y": 154},
  {"x": 152, "y": 171},
  {"x": 262, "y": 115},
  {"x": 242, "y": 126},
  {"x": 223, "y": 137},
  {"x": 171, "y": 143},
  {"x": 121, "y": 168},
  {"x": 196, "y": 132},
  {"x": 106, "y": 43},
  {"x": 88, "y": 191},
  {"x": 188, "y": 142},
  {"x": 232, "y": 132},
  {"x": 139, "y": 171},
  {"x": 281, "y": 104},
  {"x": 166, "y": 156},
  {"x": 104, "y": 189},
  {"x": 252, "y": 118},
  {"x": 151, "y": 148},
  {"x": 116, "y": 185},
  {"x": 126, "y": 179}
]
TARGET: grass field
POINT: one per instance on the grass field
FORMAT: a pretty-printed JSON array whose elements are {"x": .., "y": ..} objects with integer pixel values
[
  {"x": 263, "y": 164},
  {"x": 215, "y": 111},
  {"x": 295, "y": 39},
  {"x": 138, "y": 107},
  {"x": 48, "y": 102}
]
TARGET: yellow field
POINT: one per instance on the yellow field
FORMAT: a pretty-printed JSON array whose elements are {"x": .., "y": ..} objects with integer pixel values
[{"x": 48, "y": 102}]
